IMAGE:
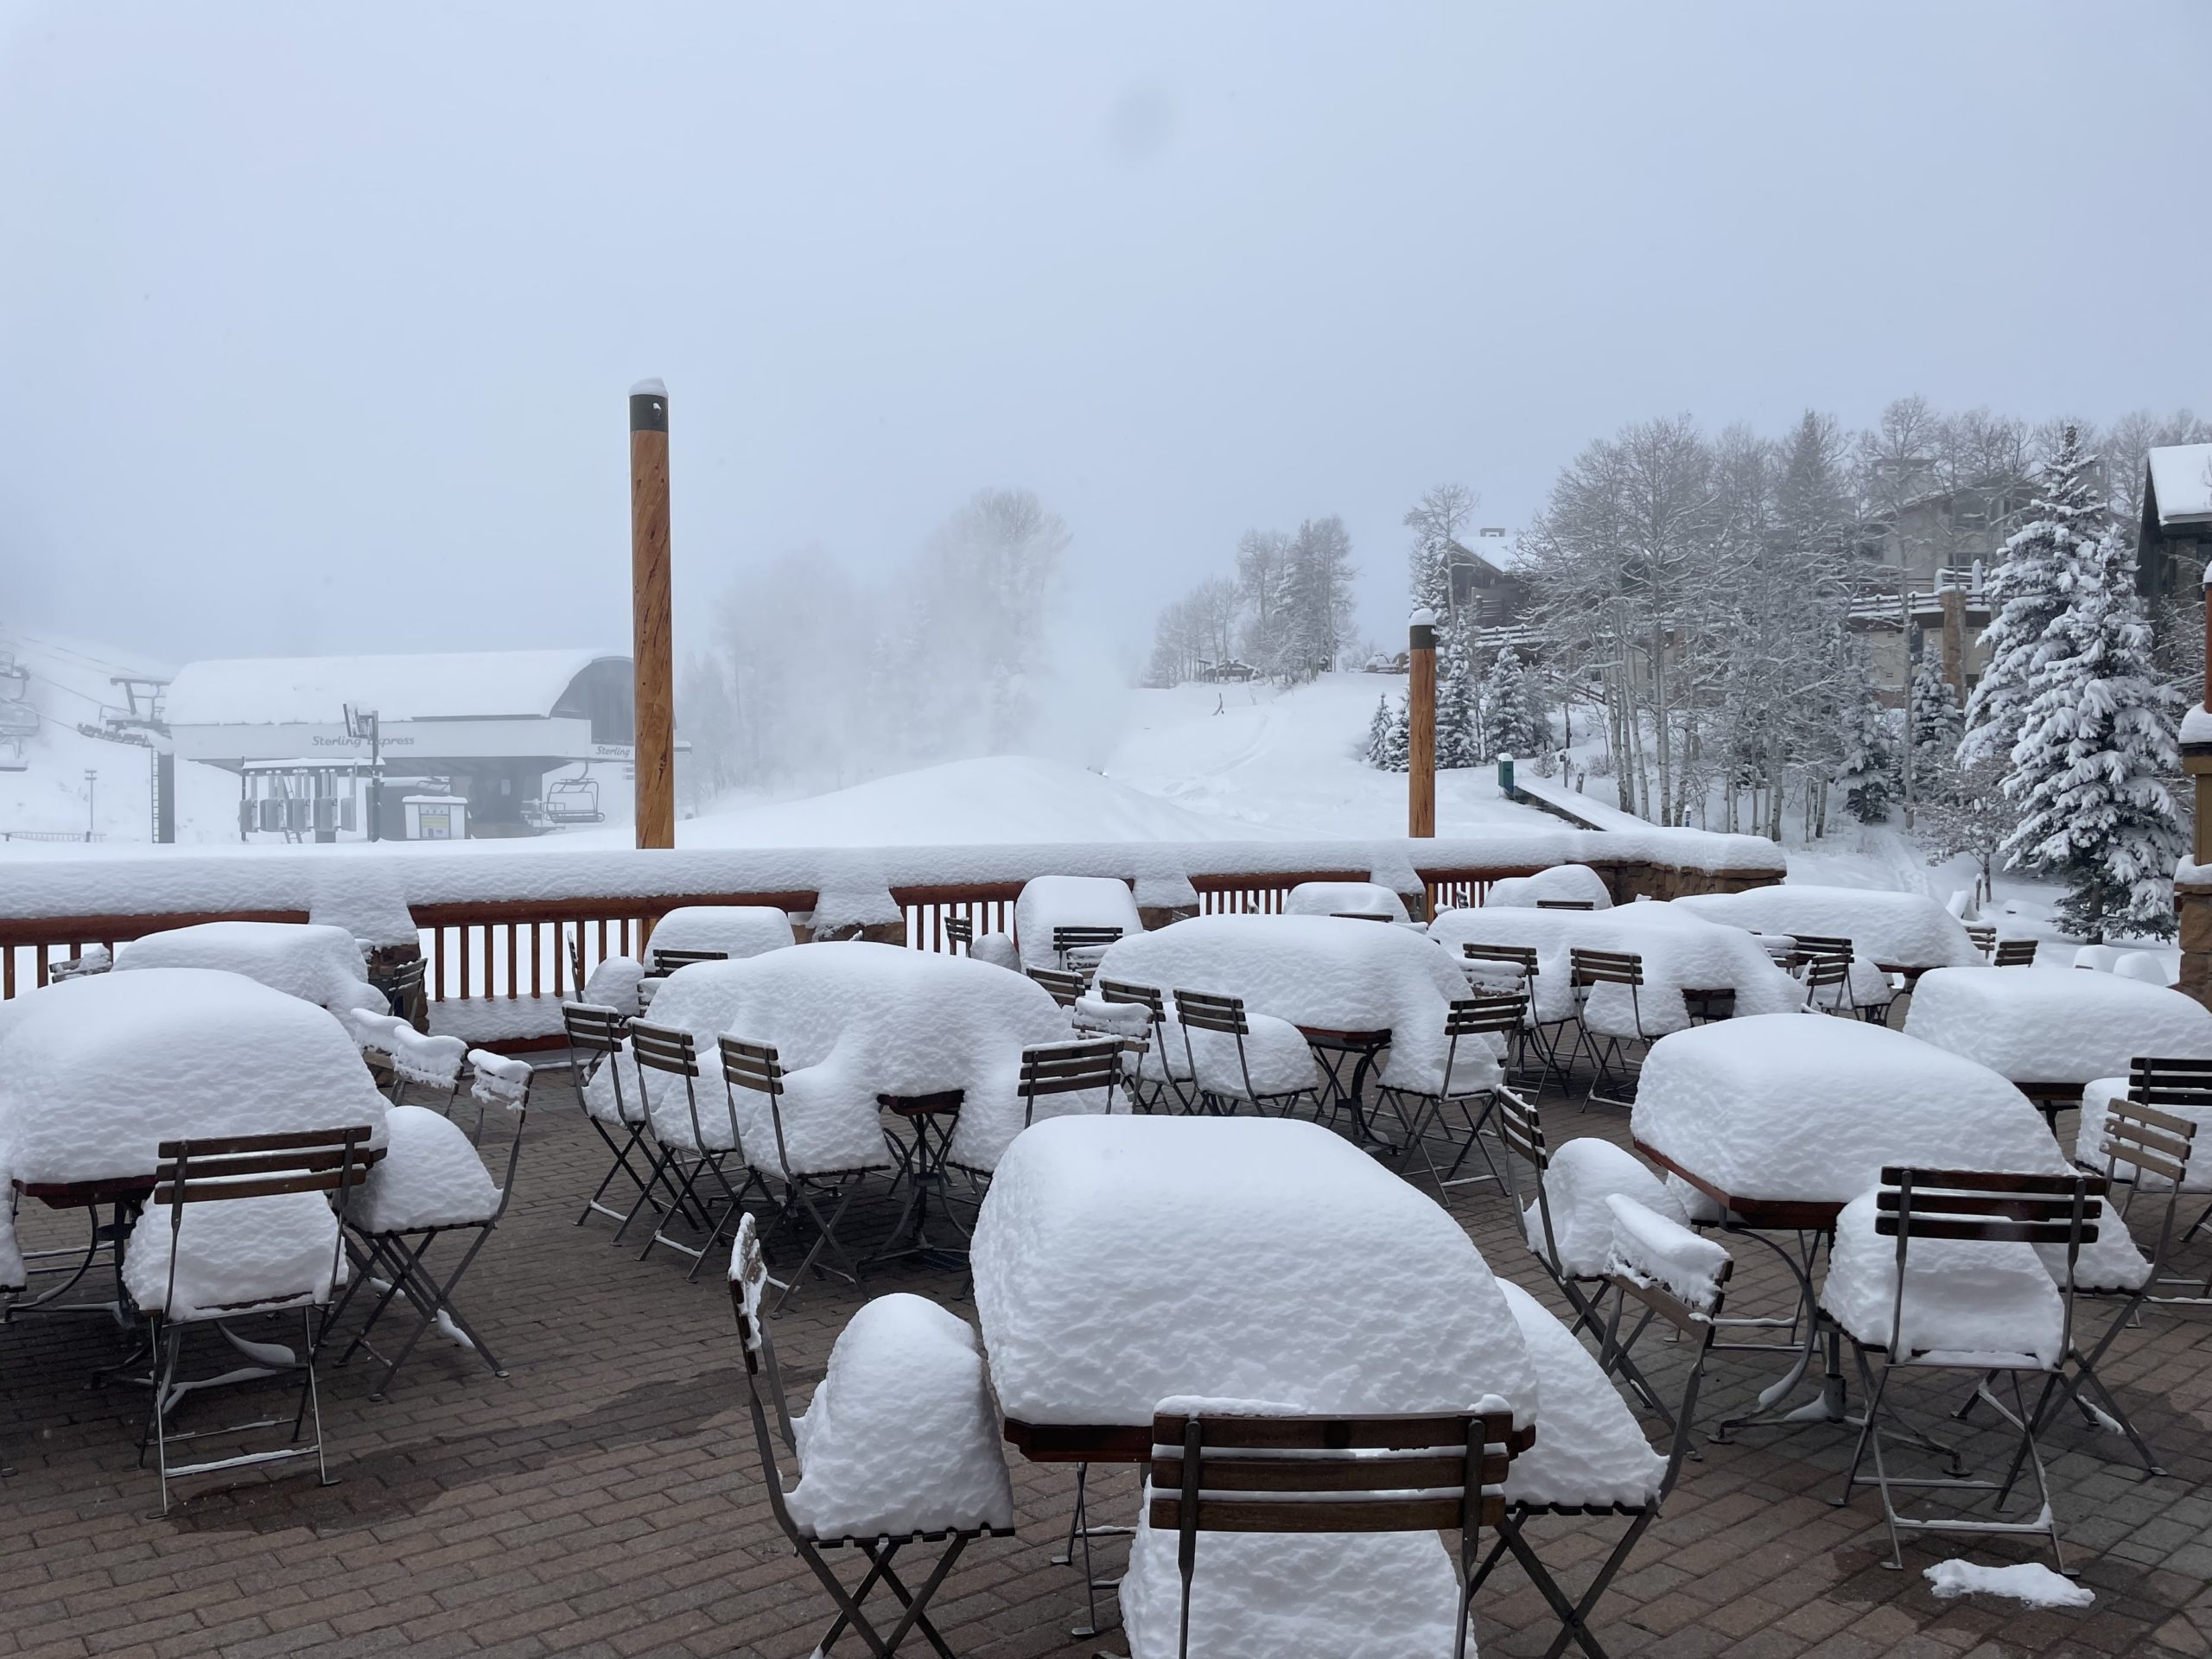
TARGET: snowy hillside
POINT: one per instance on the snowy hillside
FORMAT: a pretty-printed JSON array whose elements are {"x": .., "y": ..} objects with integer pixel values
[{"x": 68, "y": 683}]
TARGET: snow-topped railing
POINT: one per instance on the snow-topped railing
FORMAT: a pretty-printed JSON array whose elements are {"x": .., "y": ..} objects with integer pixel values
[{"x": 501, "y": 923}]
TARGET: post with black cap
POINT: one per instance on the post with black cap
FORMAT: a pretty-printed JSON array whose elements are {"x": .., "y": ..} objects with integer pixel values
[
  {"x": 1420, "y": 725},
  {"x": 650, "y": 616}
]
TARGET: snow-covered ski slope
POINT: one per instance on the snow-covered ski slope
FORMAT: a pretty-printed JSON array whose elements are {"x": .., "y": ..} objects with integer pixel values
[{"x": 69, "y": 683}]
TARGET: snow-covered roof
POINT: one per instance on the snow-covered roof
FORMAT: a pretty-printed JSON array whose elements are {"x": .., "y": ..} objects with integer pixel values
[
  {"x": 2181, "y": 478},
  {"x": 454, "y": 684}
]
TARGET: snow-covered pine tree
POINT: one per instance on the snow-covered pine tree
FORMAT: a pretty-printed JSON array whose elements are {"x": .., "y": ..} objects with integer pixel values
[
  {"x": 1398, "y": 747},
  {"x": 1536, "y": 710},
  {"x": 1506, "y": 708},
  {"x": 1868, "y": 775},
  {"x": 1378, "y": 735},
  {"x": 1937, "y": 721},
  {"x": 1458, "y": 696},
  {"x": 2095, "y": 747},
  {"x": 2066, "y": 516}
]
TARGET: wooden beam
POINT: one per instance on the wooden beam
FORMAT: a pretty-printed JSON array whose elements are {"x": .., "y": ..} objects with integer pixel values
[
  {"x": 1420, "y": 727},
  {"x": 650, "y": 616}
]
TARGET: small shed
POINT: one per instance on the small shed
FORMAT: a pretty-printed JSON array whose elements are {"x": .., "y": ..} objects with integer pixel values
[{"x": 2173, "y": 543}]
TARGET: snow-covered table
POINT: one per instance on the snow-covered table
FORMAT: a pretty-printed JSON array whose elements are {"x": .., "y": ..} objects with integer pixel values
[
  {"x": 1121, "y": 1261},
  {"x": 1092, "y": 904},
  {"x": 1901, "y": 932},
  {"x": 2054, "y": 1030},
  {"x": 320, "y": 964},
  {"x": 736, "y": 930}
]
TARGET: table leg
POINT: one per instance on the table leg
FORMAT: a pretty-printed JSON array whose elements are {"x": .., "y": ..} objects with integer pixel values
[{"x": 1829, "y": 1407}]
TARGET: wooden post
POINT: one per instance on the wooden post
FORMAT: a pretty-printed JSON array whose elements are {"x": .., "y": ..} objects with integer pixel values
[
  {"x": 1420, "y": 726},
  {"x": 650, "y": 616},
  {"x": 1954, "y": 643}
]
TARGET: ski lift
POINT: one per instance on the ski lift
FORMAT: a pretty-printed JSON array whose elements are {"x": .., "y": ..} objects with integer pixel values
[{"x": 572, "y": 800}]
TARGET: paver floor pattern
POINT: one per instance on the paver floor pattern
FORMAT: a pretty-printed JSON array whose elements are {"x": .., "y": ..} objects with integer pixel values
[{"x": 605, "y": 1497}]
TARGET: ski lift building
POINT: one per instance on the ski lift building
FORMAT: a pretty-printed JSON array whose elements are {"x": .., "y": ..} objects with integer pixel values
[{"x": 486, "y": 728}]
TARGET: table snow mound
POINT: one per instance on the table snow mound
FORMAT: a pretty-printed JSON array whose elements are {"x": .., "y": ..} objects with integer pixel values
[
  {"x": 1051, "y": 901},
  {"x": 1119, "y": 1261},
  {"x": 100, "y": 1072},
  {"x": 1651, "y": 1249},
  {"x": 1376, "y": 1595},
  {"x": 1806, "y": 1106},
  {"x": 2028, "y": 1581},
  {"x": 234, "y": 1251},
  {"x": 1589, "y": 1449},
  {"x": 736, "y": 930},
  {"x": 1898, "y": 930},
  {"x": 2090, "y": 1140},
  {"x": 614, "y": 984},
  {"x": 1963, "y": 1297},
  {"x": 1316, "y": 971},
  {"x": 848, "y": 1020},
  {"x": 2109, "y": 1262},
  {"x": 901, "y": 1436},
  {"x": 1681, "y": 951},
  {"x": 1343, "y": 899},
  {"x": 321, "y": 965},
  {"x": 2057, "y": 1025},
  {"x": 1572, "y": 883},
  {"x": 431, "y": 1176},
  {"x": 1584, "y": 1175},
  {"x": 364, "y": 896},
  {"x": 2151, "y": 967}
]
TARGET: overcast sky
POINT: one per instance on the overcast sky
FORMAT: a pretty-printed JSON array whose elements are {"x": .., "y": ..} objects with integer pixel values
[{"x": 315, "y": 323}]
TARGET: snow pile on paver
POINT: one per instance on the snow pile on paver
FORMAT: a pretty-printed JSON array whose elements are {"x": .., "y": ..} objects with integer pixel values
[
  {"x": 2028, "y": 1581},
  {"x": 1649, "y": 1249},
  {"x": 901, "y": 1436},
  {"x": 1567, "y": 883},
  {"x": 1801, "y": 1106},
  {"x": 1680, "y": 952},
  {"x": 849, "y": 1021},
  {"x": 431, "y": 1177},
  {"x": 1313, "y": 971},
  {"x": 1121, "y": 1261},
  {"x": 2090, "y": 1140},
  {"x": 1902, "y": 929},
  {"x": 1588, "y": 1447},
  {"x": 99, "y": 1071},
  {"x": 320, "y": 965},
  {"x": 1584, "y": 1175},
  {"x": 1343, "y": 899},
  {"x": 1053, "y": 901},
  {"x": 1963, "y": 1297},
  {"x": 2057, "y": 1025},
  {"x": 231, "y": 1251},
  {"x": 736, "y": 930}
]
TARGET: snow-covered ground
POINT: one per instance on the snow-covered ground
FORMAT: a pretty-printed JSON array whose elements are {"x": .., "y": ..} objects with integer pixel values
[{"x": 69, "y": 683}]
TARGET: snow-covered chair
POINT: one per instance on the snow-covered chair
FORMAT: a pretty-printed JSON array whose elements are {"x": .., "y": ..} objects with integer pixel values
[
  {"x": 432, "y": 1063},
  {"x": 1605, "y": 1027},
  {"x": 695, "y": 1151},
  {"x": 1082, "y": 1075},
  {"x": 1063, "y": 985},
  {"x": 1235, "y": 1056},
  {"x": 1934, "y": 1271},
  {"x": 1162, "y": 1074},
  {"x": 1548, "y": 1020},
  {"x": 900, "y": 1446},
  {"x": 237, "y": 1225},
  {"x": 595, "y": 1037},
  {"x": 2015, "y": 953},
  {"x": 1590, "y": 1457},
  {"x": 1983, "y": 936},
  {"x": 667, "y": 961},
  {"x": 1270, "y": 1533},
  {"x": 431, "y": 1182},
  {"x": 1469, "y": 1090}
]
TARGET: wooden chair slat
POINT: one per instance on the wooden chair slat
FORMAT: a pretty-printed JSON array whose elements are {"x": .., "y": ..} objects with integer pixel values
[
  {"x": 1346, "y": 1515},
  {"x": 1997, "y": 1232},
  {"x": 1232, "y": 1474},
  {"x": 1382, "y": 1431}
]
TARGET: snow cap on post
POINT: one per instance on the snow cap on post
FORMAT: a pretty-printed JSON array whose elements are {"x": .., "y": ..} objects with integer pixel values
[
  {"x": 1422, "y": 623},
  {"x": 649, "y": 405}
]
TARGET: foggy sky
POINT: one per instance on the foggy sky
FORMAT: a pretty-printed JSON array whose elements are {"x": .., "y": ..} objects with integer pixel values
[{"x": 316, "y": 324}]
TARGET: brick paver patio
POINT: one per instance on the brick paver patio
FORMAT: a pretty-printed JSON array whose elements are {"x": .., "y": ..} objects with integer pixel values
[{"x": 604, "y": 1499}]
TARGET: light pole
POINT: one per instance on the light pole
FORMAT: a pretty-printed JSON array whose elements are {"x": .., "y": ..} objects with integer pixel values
[
  {"x": 363, "y": 725},
  {"x": 92, "y": 782}
]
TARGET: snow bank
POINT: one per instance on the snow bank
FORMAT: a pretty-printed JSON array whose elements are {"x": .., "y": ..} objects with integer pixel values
[
  {"x": 1806, "y": 1106},
  {"x": 1898, "y": 930},
  {"x": 901, "y": 1436},
  {"x": 736, "y": 930},
  {"x": 366, "y": 897},
  {"x": 232, "y": 1251},
  {"x": 848, "y": 1020},
  {"x": 1343, "y": 898},
  {"x": 1120, "y": 1261},
  {"x": 1574, "y": 883},
  {"x": 1962, "y": 1297},
  {"x": 2028, "y": 1581},
  {"x": 1377, "y": 1595},
  {"x": 100, "y": 1070},
  {"x": 1316, "y": 971},
  {"x": 1651, "y": 1249},
  {"x": 317, "y": 965},
  {"x": 1051, "y": 901},
  {"x": 1585, "y": 1176},
  {"x": 1588, "y": 1447},
  {"x": 498, "y": 1019},
  {"x": 431, "y": 1177},
  {"x": 2057, "y": 1025}
]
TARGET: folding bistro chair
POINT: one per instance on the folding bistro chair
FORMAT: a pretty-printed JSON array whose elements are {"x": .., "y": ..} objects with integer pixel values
[
  {"x": 1089, "y": 940},
  {"x": 756, "y": 1067},
  {"x": 666, "y": 962},
  {"x": 689, "y": 1155},
  {"x": 1608, "y": 1050},
  {"x": 389, "y": 1243},
  {"x": 1933, "y": 1205},
  {"x": 764, "y": 1392},
  {"x": 959, "y": 933},
  {"x": 1063, "y": 985},
  {"x": 1982, "y": 935},
  {"x": 2172, "y": 1085},
  {"x": 281, "y": 1247},
  {"x": 1827, "y": 987},
  {"x": 1224, "y": 1015},
  {"x": 595, "y": 1037},
  {"x": 1468, "y": 1017},
  {"x": 2016, "y": 953},
  {"x": 1411, "y": 1471},
  {"x": 1153, "y": 1081},
  {"x": 1579, "y": 1395},
  {"x": 1546, "y": 1037},
  {"x": 403, "y": 988},
  {"x": 1567, "y": 904}
]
